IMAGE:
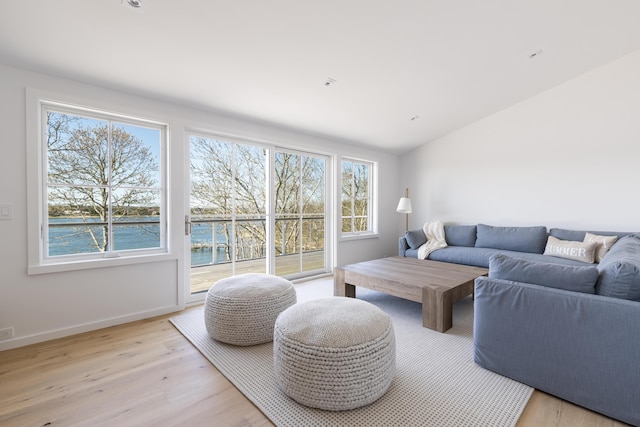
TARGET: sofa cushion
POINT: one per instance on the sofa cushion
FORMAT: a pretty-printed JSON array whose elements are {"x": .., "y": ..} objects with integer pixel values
[
  {"x": 521, "y": 239},
  {"x": 603, "y": 244},
  {"x": 578, "y": 235},
  {"x": 543, "y": 258},
  {"x": 479, "y": 257},
  {"x": 411, "y": 253},
  {"x": 620, "y": 270},
  {"x": 460, "y": 235},
  {"x": 580, "y": 251},
  {"x": 570, "y": 278},
  {"x": 415, "y": 238}
]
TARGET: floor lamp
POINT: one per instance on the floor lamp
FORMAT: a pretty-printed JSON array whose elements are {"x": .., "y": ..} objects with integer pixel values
[{"x": 404, "y": 206}]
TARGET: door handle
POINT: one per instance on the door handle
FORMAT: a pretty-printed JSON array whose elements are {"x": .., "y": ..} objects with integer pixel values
[{"x": 187, "y": 225}]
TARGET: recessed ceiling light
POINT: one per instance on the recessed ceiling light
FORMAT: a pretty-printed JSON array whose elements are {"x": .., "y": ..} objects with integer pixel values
[
  {"x": 135, "y": 3},
  {"x": 329, "y": 82}
]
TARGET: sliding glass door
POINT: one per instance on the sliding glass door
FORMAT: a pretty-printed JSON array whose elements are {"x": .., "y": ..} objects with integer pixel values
[
  {"x": 254, "y": 209},
  {"x": 228, "y": 215},
  {"x": 300, "y": 213}
]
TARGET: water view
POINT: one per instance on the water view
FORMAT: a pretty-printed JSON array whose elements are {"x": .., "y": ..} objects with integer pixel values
[{"x": 68, "y": 235}]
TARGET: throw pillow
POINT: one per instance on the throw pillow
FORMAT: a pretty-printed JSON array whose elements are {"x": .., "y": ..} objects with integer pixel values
[
  {"x": 567, "y": 277},
  {"x": 603, "y": 244},
  {"x": 415, "y": 238},
  {"x": 570, "y": 249}
]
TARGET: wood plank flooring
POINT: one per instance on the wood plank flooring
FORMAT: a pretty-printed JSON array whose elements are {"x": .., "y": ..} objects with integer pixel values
[{"x": 146, "y": 373}]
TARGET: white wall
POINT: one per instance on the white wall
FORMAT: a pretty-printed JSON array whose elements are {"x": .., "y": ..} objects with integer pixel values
[
  {"x": 568, "y": 157},
  {"x": 46, "y": 306}
]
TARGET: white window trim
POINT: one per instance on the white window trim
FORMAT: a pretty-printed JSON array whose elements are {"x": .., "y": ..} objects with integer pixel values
[
  {"x": 372, "y": 206},
  {"x": 37, "y": 264}
]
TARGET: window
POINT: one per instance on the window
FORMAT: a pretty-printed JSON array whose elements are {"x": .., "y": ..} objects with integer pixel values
[
  {"x": 102, "y": 190},
  {"x": 357, "y": 197}
]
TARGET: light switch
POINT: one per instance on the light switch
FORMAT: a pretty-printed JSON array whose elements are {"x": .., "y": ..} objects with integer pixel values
[{"x": 6, "y": 212}]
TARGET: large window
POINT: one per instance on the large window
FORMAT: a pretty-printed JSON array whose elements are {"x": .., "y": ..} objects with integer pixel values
[
  {"x": 357, "y": 193},
  {"x": 103, "y": 192}
]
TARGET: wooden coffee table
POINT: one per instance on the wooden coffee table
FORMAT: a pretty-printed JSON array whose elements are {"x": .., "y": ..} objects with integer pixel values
[{"x": 437, "y": 285}]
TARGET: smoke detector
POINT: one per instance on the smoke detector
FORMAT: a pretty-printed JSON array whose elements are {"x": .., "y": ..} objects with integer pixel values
[{"x": 535, "y": 54}]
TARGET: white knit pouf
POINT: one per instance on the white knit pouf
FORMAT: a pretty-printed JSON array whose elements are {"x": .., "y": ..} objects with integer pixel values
[
  {"x": 334, "y": 353},
  {"x": 242, "y": 310}
]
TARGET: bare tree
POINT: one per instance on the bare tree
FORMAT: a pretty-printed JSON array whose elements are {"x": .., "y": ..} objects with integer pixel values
[
  {"x": 299, "y": 191},
  {"x": 355, "y": 196},
  {"x": 361, "y": 196},
  {"x": 230, "y": 179},
  {"x": 96, "y": 170}
]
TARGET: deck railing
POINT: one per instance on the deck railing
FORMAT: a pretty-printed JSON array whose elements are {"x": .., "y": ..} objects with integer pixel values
[{"x": 251, "y": 244}]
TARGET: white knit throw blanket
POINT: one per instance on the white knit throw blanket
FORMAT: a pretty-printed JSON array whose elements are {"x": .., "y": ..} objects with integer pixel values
[{"x": 434, "y": 231}]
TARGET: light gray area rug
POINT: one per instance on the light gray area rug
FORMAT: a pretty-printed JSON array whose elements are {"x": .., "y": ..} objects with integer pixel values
[{"x": 436, "y": 382}]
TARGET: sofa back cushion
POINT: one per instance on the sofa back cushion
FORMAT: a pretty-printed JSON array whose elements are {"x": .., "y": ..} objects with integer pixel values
[
  {"x": 521, "y": 239},
  {"x": 620, "y": 270},
  {"x": 460, "y": 235},
  {"x": 570, "y": 278},
  {"x": 578, "y": 235}
]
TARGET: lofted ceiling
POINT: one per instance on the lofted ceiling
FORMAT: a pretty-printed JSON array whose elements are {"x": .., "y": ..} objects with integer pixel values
[{"x": 391, "y": 75}]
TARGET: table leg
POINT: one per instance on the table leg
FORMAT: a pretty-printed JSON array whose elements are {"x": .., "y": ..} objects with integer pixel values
[
  {"x": 340, "y": 288},
  {"x": 437, "y": 309}
]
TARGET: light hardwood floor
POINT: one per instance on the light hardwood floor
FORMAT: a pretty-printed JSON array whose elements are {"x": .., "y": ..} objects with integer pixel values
[{"x": 146, "y": 373}]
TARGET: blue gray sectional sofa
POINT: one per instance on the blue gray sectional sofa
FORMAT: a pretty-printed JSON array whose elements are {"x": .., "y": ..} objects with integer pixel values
[{"x": 547, "y": 318}]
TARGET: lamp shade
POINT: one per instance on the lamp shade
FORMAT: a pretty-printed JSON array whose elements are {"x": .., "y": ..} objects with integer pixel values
[{"x": 404, "y": 206}]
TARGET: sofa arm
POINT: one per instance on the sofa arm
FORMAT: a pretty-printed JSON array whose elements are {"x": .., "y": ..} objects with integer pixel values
[
  {"x": 580, "y": 347},
  {"x": 402, "y": 246}
]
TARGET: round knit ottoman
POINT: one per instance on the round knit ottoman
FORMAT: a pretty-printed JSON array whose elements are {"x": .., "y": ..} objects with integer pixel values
[
  {"x": 242, "y": 310},
  {"x": 334, "y": 353}
]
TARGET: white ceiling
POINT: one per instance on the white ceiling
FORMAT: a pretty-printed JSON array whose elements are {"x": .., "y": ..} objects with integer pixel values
[{"x": 450, "y": 62}]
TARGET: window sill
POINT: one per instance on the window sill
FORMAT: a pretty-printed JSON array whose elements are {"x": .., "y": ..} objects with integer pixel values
[
  {"x": 358, "y": 236},
  {"x": 97, "y": 263}
]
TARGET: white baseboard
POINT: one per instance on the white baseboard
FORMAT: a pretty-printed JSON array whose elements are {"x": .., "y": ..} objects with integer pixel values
[{"x": 85, "y": 327}]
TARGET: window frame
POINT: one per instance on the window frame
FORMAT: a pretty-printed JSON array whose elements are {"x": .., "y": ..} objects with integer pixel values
[
  {"x": 372, "y": 201},
  {"x": 38, "y": 103}
]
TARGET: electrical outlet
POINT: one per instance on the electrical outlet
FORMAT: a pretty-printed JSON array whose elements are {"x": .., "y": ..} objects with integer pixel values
[
  {"x": 6, "y": 211},
  {"x": 6, "y": 333}
]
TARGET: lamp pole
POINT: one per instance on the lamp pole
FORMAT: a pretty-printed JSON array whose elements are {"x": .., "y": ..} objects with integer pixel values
[
  {"x": 404, "y": 206},
  {"x": 406, "y": 216}
]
